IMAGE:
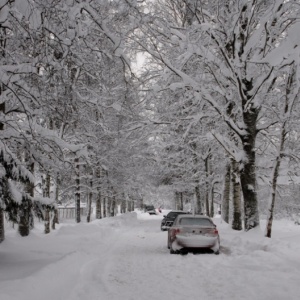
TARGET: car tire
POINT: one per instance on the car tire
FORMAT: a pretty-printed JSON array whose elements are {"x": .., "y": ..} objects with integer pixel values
[
  {"x": 184, "y": 252},
  {"x": 171, "y": 250}
]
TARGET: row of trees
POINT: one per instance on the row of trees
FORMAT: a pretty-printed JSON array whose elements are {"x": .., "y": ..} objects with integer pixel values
[
  {"x": 217, "y": 98},
  {"x": 228, "y": 79},
  {"x": 66, "y": 95}
]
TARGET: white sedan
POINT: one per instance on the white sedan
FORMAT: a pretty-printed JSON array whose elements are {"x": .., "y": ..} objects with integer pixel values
[{"x": 192, "y": 233}]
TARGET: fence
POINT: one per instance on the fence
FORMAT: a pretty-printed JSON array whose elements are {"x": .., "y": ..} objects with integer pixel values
[{"x": 69, "y": 212}]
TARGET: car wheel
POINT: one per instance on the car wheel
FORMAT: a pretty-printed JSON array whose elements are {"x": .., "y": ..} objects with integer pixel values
[
  {"x": 184, "y": 252},
  {"x": 172, "y": 251},
  {"x": 217, "y": 252}
]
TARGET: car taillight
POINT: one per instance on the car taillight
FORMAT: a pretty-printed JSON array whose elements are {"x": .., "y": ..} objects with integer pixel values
[
  {"x": 212, "y": 232},
  {"x": 176, "y": 231}
]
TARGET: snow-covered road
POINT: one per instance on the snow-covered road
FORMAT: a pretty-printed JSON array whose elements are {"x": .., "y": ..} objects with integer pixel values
[{"x": 126, "y": 258}]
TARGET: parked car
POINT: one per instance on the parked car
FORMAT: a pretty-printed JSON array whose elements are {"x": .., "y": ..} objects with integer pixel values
[
  {"x": 168, "y": 220},
  {"x": 192, "y": 233},
  {"x": 150, "y": 209}
]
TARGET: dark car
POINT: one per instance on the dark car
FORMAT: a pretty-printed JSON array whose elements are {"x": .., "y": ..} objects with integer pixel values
[
  {"x": 168, "y": 220},
  {"x": 150, "y": 209},
  {"x": 193, "y": 233}
]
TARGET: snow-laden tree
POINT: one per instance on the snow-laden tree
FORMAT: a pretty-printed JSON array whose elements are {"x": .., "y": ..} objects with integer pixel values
[
  {"x": 19, "y": 106},
  {"x": 29, "y": 145},
  {"x": 236, "y": 49},
  {"x": 288, "y": 111},
  {"x": 102, "y": 97}
]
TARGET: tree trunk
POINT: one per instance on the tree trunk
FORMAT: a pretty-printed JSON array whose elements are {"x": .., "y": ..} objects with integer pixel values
[
  {"x": 2, "y": 232},
  {"x": 131, "y": 203},
  {"x": 212, "y": 208},
  {"x": 98, "y": 206},
  {"x": 99, "y": 195},
  {"x": 176, "y": 200},
  {"x": 77, "y": 192},
  {"x": 236, "y": 196},
  {"x": 47, "y": 221},
  {"x": 104, "y": 207},
  {"x": 123, "y": 205},
  {"x": 274, "y": 182},
  {"x": 46, "y": 192},
  {"x": 24, "y": 218},
  {"x": 248, "y": 173},
  {"x": 292, "y": 95},
  {"x": 90, "y": 199},
  {"x": 2, "y": 229},
  {"x": 181, "y": 201},
  {"x": 226, "y": 195},
  {"x": 272, "y": 202},
  {"x": 109, "y": 205},
  {"x": 198, "y": 209},
  {"x": 141, "y": 204},
  {"x": 207, "y": 173},
  {"x": 55, "y": 219},
  {"x": 113, "y": 207},
  {"x": 25, "y": 213}
]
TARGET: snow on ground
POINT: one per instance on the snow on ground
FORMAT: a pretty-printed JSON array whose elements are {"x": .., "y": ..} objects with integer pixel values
[{"x": 126, "y": 258}]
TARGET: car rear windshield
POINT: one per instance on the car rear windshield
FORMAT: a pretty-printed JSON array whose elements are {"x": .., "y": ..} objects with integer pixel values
[
  {"x": 195, "y": 221},
  {"x": 174, "y": 214},
  {"x": 149, "y": 207}
]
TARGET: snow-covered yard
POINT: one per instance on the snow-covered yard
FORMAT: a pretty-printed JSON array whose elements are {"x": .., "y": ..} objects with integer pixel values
[{"x": 126, "y": 258}]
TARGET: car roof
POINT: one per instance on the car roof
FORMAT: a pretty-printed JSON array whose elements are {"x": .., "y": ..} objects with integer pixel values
[{"x": 194, "y": 216}]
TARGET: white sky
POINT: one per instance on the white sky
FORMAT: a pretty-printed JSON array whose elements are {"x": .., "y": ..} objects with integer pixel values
[{"x": 126, "y": 258}]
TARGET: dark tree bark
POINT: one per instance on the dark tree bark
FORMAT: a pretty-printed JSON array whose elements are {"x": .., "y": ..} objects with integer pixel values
[
  {"x": 113, "y": 206},
  {"x": 123, "y": 205},
  {"x": 177, "y": 200},
  {"x": 77, "y": 191},
  {"x": 236, "y": 196},
  {"x": 207, "y": 175},
  {"x": 105, "y": 207},
  {"x": 273, "y": 197},
  {"x": 55, "y": 219},
  {"x": 99, "y": 196},
  {"x": 181, "y": 201},
  {"x": 2, "y": 231},
  {"x": 248, "y": 172},
  {"x": 46, "y": 192},
  {"x": 25, "y": 211},
  {"x": 198, "y": 209},
  {"x": 226, "y": 195},
  {"x": 90, "y": 199},
  {"x": 24, "y": 216}
]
